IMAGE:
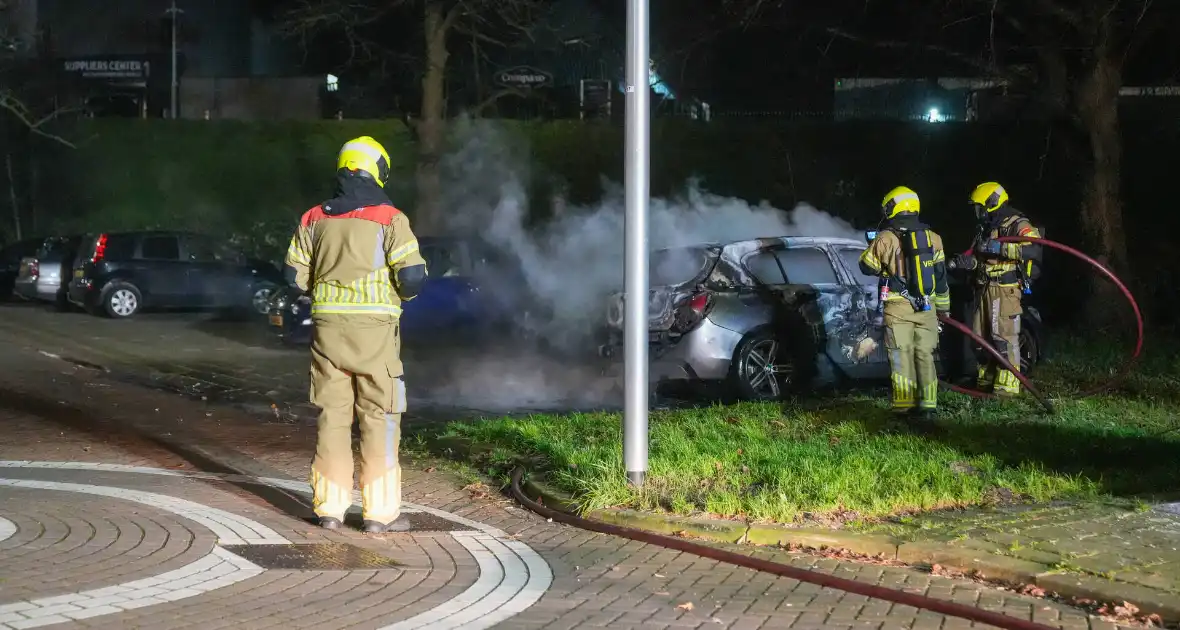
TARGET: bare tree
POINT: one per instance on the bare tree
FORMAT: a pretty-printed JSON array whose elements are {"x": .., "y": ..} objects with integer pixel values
[
  {"x": 499, "y": 23},
  {"x": 20, "y": 114}
]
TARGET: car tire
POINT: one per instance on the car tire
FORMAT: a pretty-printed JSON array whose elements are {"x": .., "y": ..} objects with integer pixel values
[
  {"x": 779, "y": 373},
  {"x": 121, "y": 300},
  {"x": 1030, "y": 351},
  {"x": 260, "y": 298}
]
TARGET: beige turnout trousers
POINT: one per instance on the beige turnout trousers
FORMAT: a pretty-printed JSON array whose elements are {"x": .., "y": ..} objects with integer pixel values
[{"x": 356, "y": 371}]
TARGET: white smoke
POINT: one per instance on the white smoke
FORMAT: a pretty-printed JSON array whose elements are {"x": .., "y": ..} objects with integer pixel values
[{"x": 574, "y": 260}]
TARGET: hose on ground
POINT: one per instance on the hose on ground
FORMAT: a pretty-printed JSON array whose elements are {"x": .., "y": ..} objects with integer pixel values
[
  {"x": 1123, "y": 371},
  {"x": 1001, "y": 359},
  {"x": 783, "y": 570}
]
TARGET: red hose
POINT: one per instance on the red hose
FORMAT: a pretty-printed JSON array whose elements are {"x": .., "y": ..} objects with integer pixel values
[
  {"x": 1127, "y": 366},
  {"x": 1003, "y": 361},
  {"x": 784, "y": 570}
]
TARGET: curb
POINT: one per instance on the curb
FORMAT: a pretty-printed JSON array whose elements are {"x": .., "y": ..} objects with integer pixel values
[{"x": 978, "y": 561}]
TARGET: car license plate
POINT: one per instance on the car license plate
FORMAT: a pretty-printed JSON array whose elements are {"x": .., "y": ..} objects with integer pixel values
[
  {"x": 276, "y": 320},
  {"x": 78, "y": 273}
]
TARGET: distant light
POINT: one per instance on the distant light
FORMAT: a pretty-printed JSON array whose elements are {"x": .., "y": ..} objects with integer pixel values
[
  {"x": 934, "y": 115},
  {"x": 333, "y": 83}
]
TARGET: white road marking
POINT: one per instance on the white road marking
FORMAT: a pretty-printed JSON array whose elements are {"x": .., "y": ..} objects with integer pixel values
[
  {"x": 7, "y": 529},
  {"x": 217, "y": 570},
  {"x": 231, "y": 529},
  {"x": 512, "y": 576}
]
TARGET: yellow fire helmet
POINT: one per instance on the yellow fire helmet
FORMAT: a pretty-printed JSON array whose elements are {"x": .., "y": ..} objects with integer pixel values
[
  {"x": 365, "y": 155},
  {"x": 900, "y": 200},
  {"x": 989, "y": 196}
]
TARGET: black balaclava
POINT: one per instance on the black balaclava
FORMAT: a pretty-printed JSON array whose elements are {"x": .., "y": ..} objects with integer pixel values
[
  {"x": 906, "y": 221},
  {"x": 354, "y": 189}
]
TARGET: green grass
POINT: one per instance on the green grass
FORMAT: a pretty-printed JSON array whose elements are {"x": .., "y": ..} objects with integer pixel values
[{"x": 845, "y": 458}]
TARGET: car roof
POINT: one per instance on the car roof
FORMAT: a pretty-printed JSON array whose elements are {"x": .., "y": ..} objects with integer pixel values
[{"x": 736, "y": 249}]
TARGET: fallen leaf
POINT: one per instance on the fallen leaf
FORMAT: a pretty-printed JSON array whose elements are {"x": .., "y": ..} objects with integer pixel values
[
  {"x": 732, "y": 420},
  {"x": 658, "y": 575},
  {"x": 429, "y": 469},
  {"x": 1033, "y": 590},
  {"x": 685, "y": 606},
  {"x": 740, "y": 451}
]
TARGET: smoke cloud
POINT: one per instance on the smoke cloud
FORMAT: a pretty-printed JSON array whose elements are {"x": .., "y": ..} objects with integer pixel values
[{"x": 573, "y": 261}]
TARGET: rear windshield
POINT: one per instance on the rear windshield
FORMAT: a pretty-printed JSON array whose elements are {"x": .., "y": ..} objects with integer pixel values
[
  {"x": 56, "y": 246},
  {"x": 678, "y": 266}
]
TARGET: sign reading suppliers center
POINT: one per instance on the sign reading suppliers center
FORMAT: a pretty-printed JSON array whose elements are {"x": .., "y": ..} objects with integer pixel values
[{"x": 109, "y": 68}]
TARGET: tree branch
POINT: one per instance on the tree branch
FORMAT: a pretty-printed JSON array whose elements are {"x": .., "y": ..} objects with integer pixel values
[
  {"x": 971, "y": 61},
  {"x": 21, "y": 112},
  {"x": 1068, "y": 16}
]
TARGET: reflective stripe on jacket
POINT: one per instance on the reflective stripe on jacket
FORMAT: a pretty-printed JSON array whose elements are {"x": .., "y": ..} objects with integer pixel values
[
  {"x": 349, "y": 262},
  {"x": 1006, "y": 270},
  {"x": 885, "y": 258}
]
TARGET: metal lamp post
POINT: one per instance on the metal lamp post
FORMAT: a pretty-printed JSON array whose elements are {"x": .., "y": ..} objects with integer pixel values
[
  {"x": 174, "y": 88},
  {"x": 637, "y": 185}
]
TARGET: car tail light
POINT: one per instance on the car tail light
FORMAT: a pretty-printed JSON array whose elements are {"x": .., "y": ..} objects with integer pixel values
[
  {"x": 34, "y": 268},
  {"x": 100, "y": 248},
  {"x": 691, "y": 312}
]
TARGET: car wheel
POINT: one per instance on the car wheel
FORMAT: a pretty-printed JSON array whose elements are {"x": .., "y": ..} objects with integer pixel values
[
  {"x": 260, "y": 298},
  {"x": 1030, "y": 352},
  {"x": 762, "y": 368},
  {"x": 121, "y": 300}
]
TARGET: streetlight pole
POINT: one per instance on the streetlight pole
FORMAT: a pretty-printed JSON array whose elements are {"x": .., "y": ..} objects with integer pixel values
[
  {"x": 637, "y": 185},
  {"x": 174, "y": 88}
]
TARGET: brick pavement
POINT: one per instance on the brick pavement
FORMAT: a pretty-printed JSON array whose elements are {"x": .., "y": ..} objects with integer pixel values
[{"x": 54, "y": 411}]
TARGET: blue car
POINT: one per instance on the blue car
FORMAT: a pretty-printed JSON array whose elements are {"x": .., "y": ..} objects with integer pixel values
[{"x": 471, "y": 289}]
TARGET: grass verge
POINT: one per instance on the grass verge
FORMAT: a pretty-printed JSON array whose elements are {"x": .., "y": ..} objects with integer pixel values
[{"x": 844, "y": 458}]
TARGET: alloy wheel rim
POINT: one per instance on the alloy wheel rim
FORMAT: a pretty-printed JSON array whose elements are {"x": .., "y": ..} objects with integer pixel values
[
  {"x": 261, "y": 301},
  {"x": 763, "y": 371},
  {"x": 123, "y": 302}
]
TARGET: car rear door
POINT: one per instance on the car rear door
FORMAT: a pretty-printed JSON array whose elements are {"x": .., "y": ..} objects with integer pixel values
[
  {"x": 217, "y": 275},
  {"x": 866, "y": 295},
  {"x": 160, "y": 273},
  {"x": 816, "y": 301}
]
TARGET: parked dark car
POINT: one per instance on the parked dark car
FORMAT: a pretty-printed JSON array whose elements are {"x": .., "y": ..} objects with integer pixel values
[
  {"x": 45, "y": 276},
  {"x": 118, "y": 274},
  {"x": 769, "y": 316},
  {"x": 471, "y": 288},
  {"x": 10, "y": 257}
]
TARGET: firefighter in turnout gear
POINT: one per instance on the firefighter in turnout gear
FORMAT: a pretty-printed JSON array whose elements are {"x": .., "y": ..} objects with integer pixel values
[
  {"x": 358, "y": 259},
  {"x": 908, "y": 258},
  {"x": 1002, "y": 274}
]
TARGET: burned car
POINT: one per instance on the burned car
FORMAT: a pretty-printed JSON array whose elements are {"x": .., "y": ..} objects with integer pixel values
[{"x": 770, "y": 316}]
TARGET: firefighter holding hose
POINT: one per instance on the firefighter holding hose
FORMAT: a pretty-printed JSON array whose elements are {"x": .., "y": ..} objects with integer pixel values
[
  {"x": 1002, "y": 274},
  {"x": 909, "y": 259},
  {"x": 357, "y": 257}
]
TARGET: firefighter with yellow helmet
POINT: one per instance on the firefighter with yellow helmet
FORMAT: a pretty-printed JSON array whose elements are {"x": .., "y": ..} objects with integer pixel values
[
  {"x": 909, "y": 259},
  {"x": 357, "y": 258},
  {"x": 1002, "y": 273}
]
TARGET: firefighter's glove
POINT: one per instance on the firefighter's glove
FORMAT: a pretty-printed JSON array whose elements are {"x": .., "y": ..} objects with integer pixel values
[
  {"x": 991, "y": 246},
  {"x": 961, "y": 261}
]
